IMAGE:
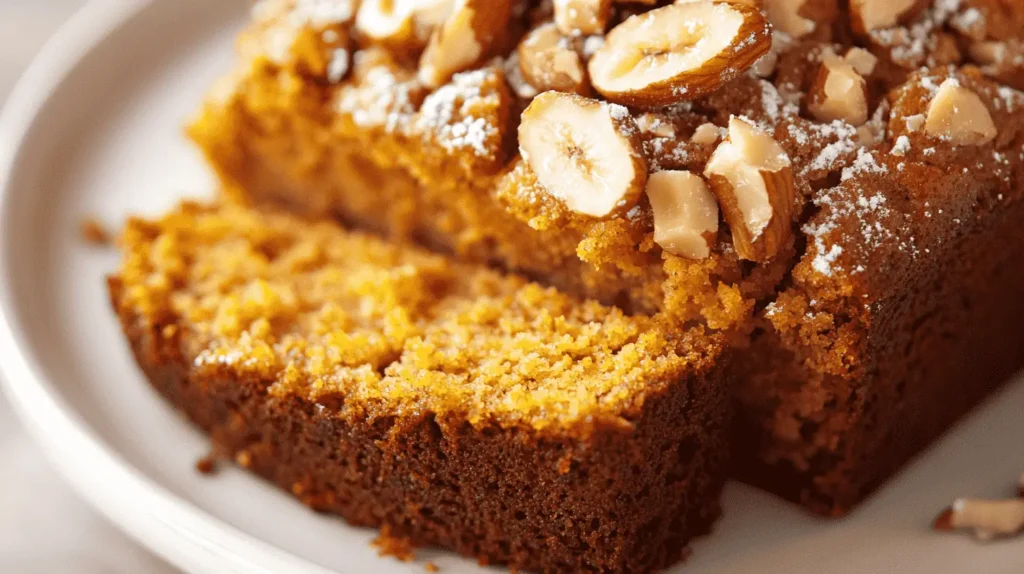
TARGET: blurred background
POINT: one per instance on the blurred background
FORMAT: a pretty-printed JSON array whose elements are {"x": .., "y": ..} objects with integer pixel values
[{"x": 44, "y": 528}]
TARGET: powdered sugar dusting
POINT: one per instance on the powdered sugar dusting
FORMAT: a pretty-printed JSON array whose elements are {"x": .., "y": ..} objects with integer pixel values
[{"x": 448, "y": 114}]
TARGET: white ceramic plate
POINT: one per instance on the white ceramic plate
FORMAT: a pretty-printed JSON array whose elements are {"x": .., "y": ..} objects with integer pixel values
[{"x": 94, "y": 128}]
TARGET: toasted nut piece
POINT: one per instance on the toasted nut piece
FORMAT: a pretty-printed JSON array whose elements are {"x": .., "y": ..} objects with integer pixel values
[
  {"x": 988, "y": 53},
  {"x": 988, "y": 518},
  {"x": 678, "y": 52},
  {"x": 869, "y": 15},
  {"x": 706, "y": 134},
  {"x": 685, "y": 213},
  {"x": 785, "y": 16},
  {"x": 914, "y": 122},
  {"x": 752, "y": 177},
  {"x": 549, "y": 62},
  {"x": 585, "y": 152},
  {"x": 958, "y": 115},
  {"x": 405, "y": 23},
  {"x": 464, "y": 39},
  {"x": 861, "y": 60},
  {"x": 751, "y": 3},
  {"x": 656, "y": 125},
  {"x": 838, "y": 92},
  {"x": 582, "y": 17}
]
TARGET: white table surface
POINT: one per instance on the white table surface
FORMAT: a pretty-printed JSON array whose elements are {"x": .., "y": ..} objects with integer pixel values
[{"x": 44, "y": 527}]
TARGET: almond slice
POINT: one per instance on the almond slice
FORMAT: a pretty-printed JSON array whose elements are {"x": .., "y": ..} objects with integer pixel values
[
  {"x": 463, "y": 39},
  {"x": 685, "y": 213},
  {"x": 752, "y": 177},
  {"x": 584, "y": 152},
  {"x": 988, "y": 518},
  {"x": 838, "y": 92},
  {"x": 957, "y": 114},
  {"x": 869, "y": 15},
  {"x": 582, "y": 17},
  {"x": 678, "y": 52},
  {"x": 548, "y": 62}
]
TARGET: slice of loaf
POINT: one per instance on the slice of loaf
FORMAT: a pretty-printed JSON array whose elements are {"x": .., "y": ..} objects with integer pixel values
[{"x": 451, "y": 404}]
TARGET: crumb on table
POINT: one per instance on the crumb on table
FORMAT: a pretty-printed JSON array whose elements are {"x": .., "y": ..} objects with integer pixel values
[{"x": 94, "y": 232}]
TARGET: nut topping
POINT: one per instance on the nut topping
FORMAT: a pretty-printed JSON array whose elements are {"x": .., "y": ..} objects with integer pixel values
[
  {"x": 785, "y": 16},
  {"x": 398, "y": 22},
  {"x": 838, "y": 92},
  {"x": 463, "y": 39},
  {"x": 958, "y": 115},
  {"x": 988, "y": 518},
  {"x": 582, "y": 17},
  {"x": 869, "y": 15},
  {"x": 678, "y": 52},
  {"x": 548, "y": 62},
  {"x": 685, "y": 213},
  {"x": 861, "y": 60},
  {"x": 752, "y": 177},
  {"x": 706, "y": 134},
  {"x": 584, "y": 152}
]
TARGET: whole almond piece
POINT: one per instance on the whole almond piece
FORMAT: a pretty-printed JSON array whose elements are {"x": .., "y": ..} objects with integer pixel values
[
  {"x": 678, "y": 52},
  {"x": 752, "y": 177},
  {"x": 584, "y": 152},
  {"x": 469, "y": 32},
  {"x": 685, "y": 213}
]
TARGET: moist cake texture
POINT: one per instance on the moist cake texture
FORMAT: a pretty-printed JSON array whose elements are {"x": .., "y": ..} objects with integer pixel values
[
  {"x": 886, "y": 307},
  {"x": 447, "y": 403}
]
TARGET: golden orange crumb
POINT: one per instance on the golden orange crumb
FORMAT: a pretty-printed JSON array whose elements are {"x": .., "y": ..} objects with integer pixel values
[
  {"x": 93, "y": 232},
  {"x": 399, "y": 547},
  {"x": 431, "y": 567}
]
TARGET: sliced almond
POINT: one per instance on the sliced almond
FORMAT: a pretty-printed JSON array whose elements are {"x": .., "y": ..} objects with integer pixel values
[
  {"x": 987, "y": 518},
  {"x": 678, "y": 52},
  {"x": 549, "y": 62},
  {"x": 957, "y": 114},
  {"x": 685, "y": 213},
  {"x": 657, "y": 125},
  {"x": 752, "y": 177},
  {"x": 582, "y": 17},
  {"x": 838, "y": 92},
  {"x": 584, "y": 152},
  {"x": 869, "y": 15},
  {"x": 464, "y": 38},
  {"x": 785, "y": 16},
  {"x": 861, "y": 60}
]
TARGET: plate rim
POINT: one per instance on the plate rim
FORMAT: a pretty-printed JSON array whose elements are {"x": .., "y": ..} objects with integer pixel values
[{"x": 176, "y": 530}]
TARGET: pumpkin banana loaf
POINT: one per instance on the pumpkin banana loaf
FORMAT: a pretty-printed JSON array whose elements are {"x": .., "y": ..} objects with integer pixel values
[
  {"x": 447, "y": 403},
  {"x": 833, "y": 186}
]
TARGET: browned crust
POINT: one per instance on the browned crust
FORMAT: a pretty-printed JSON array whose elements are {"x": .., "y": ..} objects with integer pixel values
[
  {"x": 931, "y": 353},
  {"x": 614, "y": 499}
]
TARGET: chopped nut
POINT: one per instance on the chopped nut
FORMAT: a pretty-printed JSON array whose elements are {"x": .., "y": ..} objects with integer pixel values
[
  {"x": 869, "y": 15},
  {"x": 407, "y": 23},
  {"x": 464, "y": 39},
  {"x": 988, "y": 53},
  {"x": 752, "y": 177},
  {"x": 685, "y": 213},
  {"x": 785, "y": 16},
  {"x": 582, "y": 17},
  {"x": 838, "y": 93},
  {"x": 678, "y": 52},
  {"x": 861, "y": 60},
  {"x": 656, "y": 125},
  {"x": 988, "y": 518},
  {"x": 706, "y": 134},
  {"x": 584, "y": 152},
  {"x": 548, "y": 62},
  {"x": 958, "y": 115},
  {"x": 914, "y": 122}
]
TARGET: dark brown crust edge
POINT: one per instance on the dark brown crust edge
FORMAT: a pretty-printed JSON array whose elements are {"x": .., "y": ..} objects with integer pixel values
[{"x": 615, "y": 500}]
